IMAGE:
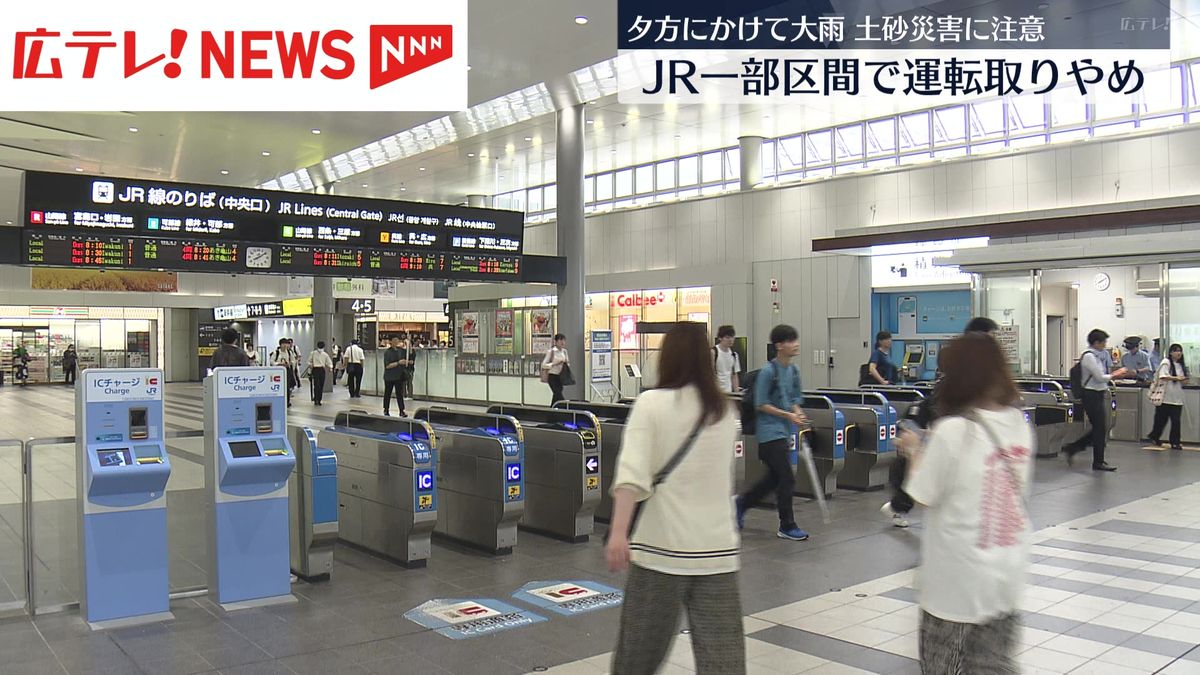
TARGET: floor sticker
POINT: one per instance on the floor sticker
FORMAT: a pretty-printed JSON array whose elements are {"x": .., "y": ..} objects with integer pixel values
[
  {"x": 462, "y": 618},
  {"x": 569, "y": 597}
]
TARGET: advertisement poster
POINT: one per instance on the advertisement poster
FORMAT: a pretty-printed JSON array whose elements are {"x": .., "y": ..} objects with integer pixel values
[
  {"x": 629, "y": 336},
  {"x": 469, "y": 329},
  {"x": 504, "y": 331},
  {"x": 1009, "y": 338},
  {"x": 541, "y": 327},
  {"x": 602, "y": 362},
  {"x": 118, "y": 281}
]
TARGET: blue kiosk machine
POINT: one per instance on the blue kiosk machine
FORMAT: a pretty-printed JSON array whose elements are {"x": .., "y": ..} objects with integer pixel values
[
  {"x": 247, "y": 462},
  {"x": 121, "y": 480}
]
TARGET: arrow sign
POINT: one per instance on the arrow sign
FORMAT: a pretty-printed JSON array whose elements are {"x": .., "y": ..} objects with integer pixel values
[{"x": 591, "y": 464}]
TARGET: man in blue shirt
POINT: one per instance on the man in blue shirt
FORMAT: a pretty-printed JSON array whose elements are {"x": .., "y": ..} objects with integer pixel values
[{"x": 777, "y": 398}]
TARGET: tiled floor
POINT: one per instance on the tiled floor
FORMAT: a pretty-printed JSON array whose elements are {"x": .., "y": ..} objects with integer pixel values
[{"x": 1114, "y": 586}]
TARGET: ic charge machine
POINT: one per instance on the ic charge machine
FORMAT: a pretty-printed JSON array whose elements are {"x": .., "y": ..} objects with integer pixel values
[
  {"x": 121, "y": 479},
  {"x": 247, "y": 463}
]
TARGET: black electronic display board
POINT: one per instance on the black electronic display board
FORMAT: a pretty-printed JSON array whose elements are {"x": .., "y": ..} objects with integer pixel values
[{"x": 91, "y": 221}]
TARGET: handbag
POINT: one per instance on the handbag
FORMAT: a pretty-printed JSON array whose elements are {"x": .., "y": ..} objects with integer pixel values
[
  {"x": 568, "y": 378},
  {"x": 664, "y": 472},
  {"x": 1158, "y": 391}
]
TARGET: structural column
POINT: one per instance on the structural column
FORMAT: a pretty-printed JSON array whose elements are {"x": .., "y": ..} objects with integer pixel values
[
  {"x": 323, "y": 310},
  {"x": 571, "y": 242},
  {"x": 479, "y": 202},
  {"x": 751, "y": 154}
]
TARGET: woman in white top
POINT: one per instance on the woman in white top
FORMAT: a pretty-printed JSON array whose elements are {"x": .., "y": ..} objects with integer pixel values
[
  {"x": 973, "y": 474},
  {"x": 684, "y": 545},
  {"x": 1171, "y": 375},
  {"x": 553, "y": 365}
]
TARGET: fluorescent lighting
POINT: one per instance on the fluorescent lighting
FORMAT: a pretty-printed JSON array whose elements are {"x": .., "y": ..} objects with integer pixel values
[
  {"x": 133, "y": 130},
  {"x": 470, "y": 154},
  {"x": 365, "y": 185},
  {"x": 266, "y": 153},
  {"x": 316, "y": 132},
  {"x": 581, "y": 20},
  {"x": 79, "y": 169},
  {"x": 422, "y": 168},
  {"x": 224, "y": 172},
  {"x": 528, "y": 138}
]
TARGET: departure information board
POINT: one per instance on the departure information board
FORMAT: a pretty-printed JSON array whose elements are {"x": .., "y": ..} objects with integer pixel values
[{"x": 89, "y": 221}]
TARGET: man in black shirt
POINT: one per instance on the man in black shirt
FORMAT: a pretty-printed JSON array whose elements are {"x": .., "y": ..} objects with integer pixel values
[
  {"x": 395, "y": 373},
  {"x": 229, "y": 353}
]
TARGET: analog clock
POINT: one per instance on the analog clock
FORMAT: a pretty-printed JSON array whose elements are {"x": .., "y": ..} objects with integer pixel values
[
  {"x": 1102, "y": 281},
  {"x": 258, "y": 257}
]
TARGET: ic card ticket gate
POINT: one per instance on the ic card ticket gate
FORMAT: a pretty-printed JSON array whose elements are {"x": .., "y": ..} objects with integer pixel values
[
  {"x": 313, "y": 501},
  {"x": 121, "y": 477},
  {"x": 828, "y": 440},
  {"x": 481, "y": 477},
  {"x": 612, "y": 418},
  {"x": 562, "y": 469},
  {"x": 902, "y": 398},
  {"x": 248, "y": 461},
  {"x": 868, "y": 462},
  {"x": 387, "y": 487},
  {"x": 1053, "y": 414}
]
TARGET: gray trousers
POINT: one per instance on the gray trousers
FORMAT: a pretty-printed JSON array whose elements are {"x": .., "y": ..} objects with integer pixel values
[
  {"x": 650, "y": 621},
  {"x": 950, "y": 648}
]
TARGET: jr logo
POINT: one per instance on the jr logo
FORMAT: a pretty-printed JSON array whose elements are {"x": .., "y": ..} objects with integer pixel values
[{"x": 400, "y": 51}]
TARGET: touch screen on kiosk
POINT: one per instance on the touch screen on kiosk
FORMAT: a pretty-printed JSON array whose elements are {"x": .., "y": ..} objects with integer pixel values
[
  {"x": 114, "y": 457},
  {"x": 244, "y": 449}
]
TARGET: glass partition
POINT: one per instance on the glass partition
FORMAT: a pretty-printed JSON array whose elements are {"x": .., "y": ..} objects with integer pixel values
[
  {"x": 1183, "y": 311},
  {"x": 12, "y": 549},
  {"x": 1010, "y": 302}
]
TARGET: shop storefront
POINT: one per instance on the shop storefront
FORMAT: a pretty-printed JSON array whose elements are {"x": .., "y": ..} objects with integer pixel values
[{"x": 108, "y": 337}]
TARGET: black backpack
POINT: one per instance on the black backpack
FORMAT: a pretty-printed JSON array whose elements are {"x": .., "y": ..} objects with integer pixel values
[
  {"x": 749, "y": 410},
  {"x": 864, "y": 375},
  {"x": 1076, "y": 375}
]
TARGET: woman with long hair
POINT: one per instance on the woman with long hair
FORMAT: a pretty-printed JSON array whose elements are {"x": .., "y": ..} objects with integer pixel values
[
  {"x": 1171, "y": 375},
  {"x": 676, "y": 471},
  {"x": 973, "y": 474}
]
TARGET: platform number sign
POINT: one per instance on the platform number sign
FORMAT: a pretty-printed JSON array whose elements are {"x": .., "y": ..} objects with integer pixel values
[{"x": 360, "y": 307}]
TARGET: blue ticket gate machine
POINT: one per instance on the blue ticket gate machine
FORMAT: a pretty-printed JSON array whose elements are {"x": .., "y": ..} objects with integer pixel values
[
  {"x": 481, "y": 477},
  {"x": 248, "y": 461},
  {"x": 121, "y": 478},
  {"x": 868, "y": 462},
  {"x": 313, "y": 498},
  {"x": 612, "y": 418},
  {"x": 828, "y": 440}
]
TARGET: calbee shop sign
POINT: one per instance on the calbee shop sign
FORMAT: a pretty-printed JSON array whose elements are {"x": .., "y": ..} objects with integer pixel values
[{"x": 227, "y": 55}]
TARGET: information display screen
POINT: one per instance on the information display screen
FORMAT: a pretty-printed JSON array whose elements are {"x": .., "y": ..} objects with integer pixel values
[
  {"x": 188, "y": 223},
  {"x": 244, "y": 449},
  {"x": 114, "y": 457}
]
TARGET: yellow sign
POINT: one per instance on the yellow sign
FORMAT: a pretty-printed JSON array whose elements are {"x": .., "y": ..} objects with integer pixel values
[
  {"x": 514, "y": 491},
  {"x": 207, "y": 351},
  {"x": 297, "y": 307},
  {"x": 425, "y": 501},
  {"x": 593, "y": 482}
]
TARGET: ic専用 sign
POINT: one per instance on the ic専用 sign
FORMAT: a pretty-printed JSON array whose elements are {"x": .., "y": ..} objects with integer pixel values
[{"x": 228, "y": 55}]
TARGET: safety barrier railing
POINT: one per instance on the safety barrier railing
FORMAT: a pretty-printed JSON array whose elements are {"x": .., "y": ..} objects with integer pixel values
[
  {"x": 18, "y": 606},
  {"x": 30, "y": 605}
]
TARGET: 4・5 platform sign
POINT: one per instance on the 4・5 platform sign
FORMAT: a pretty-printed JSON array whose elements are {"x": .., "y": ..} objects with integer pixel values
[{"x": 230, "y": 55}]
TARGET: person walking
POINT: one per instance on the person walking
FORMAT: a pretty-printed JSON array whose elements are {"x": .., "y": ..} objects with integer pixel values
[
  {"x": 777, "y": 398},
  {"x": 1095, "y": 378},
  {"x": 880, "y": 365},
  {"x": 228, "y": 353},
  {"x": 319, "y": 366},
  {"x": 1171, "y": 375},
  {"x": 973, "y": 475},
  {"x": 553, "y": 365},
  {"x": 70, "y": 361},
  {"x": 725, "y": 360},
  {"x": 395, "y": 372},
  {"x": 284, "y": 357},
  {"x": 919, "y": 417},
  {"x": 335, "y": 352},
  {"x": 354, "y": 358},
  {"x": 671, "y": 528}
]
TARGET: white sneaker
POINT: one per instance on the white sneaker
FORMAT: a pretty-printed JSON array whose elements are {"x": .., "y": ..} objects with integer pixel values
[{"x": 898, "y": 519}]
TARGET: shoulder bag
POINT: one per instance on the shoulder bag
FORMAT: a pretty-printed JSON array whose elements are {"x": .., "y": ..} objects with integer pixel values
[
  {"x": 568, "y": 378},
  {"x": 1014, "y": 480},
  {"x": 663, "y": 473},
  {"x": 1158, "y": 391}
]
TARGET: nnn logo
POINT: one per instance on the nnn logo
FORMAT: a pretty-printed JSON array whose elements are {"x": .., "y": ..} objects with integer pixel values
[{"x": 400, "y": 51}]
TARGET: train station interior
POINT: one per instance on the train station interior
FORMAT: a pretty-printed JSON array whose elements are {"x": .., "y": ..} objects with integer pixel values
[{"x": 281, "y": 392}]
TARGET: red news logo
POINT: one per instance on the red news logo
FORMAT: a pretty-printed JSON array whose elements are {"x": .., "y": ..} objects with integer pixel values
[{"x": 400, "y": 51}]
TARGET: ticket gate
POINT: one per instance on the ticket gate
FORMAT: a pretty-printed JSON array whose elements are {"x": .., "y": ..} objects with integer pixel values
[
  {"x": 901, "y": 397},
  {"x": 121, "y": 477},
  {"x": 868, "y": 462},
  {"x": 313, "y": 502},
  {"x": 562, "y": 470},
  {"x": 481, "y": 477},
  {"x": 386, "y": 484},
  {"x": 1053, "y": 415},
  {"x": 612, "y": 418},
  {"x": 828, "y": 440}
]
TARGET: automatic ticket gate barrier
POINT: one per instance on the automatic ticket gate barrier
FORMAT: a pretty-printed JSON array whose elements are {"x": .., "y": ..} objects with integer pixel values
[
  {"x": 828, "y": 440},
  {"x": 313, "y": 502},
  {"x": 612, "y": 418},
  {"x": 902, "y": 398},
  {"x": 562, "y": 469},
  {"x": 481, "y": 477},
  {"x": 868, "y": 460},
  {"x": 1053, "y": 413},
  {"x": 386, "y": 485},
  {"x": 248, "y": 461},
  {"x": 121, "y": 479}
]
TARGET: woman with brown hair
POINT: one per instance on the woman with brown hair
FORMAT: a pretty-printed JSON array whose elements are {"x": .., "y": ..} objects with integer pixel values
[
  {"x": 973, "y": 475},
  {"x": 681, "y": 547}
]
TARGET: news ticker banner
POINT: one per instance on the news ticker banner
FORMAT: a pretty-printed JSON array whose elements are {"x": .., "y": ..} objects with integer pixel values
[
  {"x": 230, "y": 55},
  {"x": 791, "y": 51}
]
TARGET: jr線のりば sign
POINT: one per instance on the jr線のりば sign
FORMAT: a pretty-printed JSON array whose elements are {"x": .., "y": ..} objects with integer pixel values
[{"x": 74, "y": 55}]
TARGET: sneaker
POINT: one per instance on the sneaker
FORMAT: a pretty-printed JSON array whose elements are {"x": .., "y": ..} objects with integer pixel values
[
  {"x": 1104, "y": 466},
  {"x": 741, "y": 513},
  {"x": 1149, "y": 440},
  {"x": 794, "y": 533},
  {"x": 898, "y": 519}
]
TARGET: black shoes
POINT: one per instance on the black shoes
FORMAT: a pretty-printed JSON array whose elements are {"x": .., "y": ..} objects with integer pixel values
[
  {"x": 1176, "y": 447},
  {"x": 1105, "y": 466},
  {"x": 1070, "y": 451},
  {"x": 1152, "y": 441}
]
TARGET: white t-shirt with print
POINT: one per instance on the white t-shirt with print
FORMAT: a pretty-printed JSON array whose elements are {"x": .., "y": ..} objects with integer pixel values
[{"x": 975, "y": 551}]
